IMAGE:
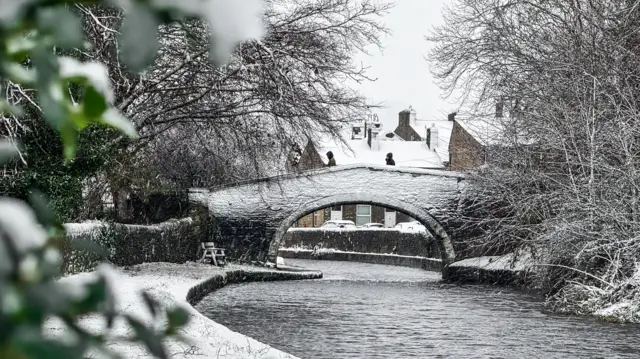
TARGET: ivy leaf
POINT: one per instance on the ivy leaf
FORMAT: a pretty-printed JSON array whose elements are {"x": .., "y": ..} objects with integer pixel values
[
  {"x": 94, "y": 103},
  {"x": 139, "y": 39},
  {"x": 65, "y": 26}
]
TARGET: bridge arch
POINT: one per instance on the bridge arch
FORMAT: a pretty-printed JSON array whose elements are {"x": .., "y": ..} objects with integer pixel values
[{"x": 433, "y": 226}]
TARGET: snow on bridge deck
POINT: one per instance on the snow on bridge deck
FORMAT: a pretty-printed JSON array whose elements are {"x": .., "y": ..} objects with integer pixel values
[{"x": 252, "y": 216}]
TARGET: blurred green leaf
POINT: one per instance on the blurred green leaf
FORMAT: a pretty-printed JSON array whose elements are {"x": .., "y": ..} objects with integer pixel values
[
  {"x": 113, "y": 118},
  {"x": 37, "y": 347},
  {"x": 94, "y": 103},
  {"x": 65, "y": 26},
  {"x": 177, "y": 318},
  {"x": 151, "y": 303},
  {"x": 20, "y": 74},
  {"x": 19, "y": 46},
  {"x": 151, "y": 339},
  {"x": 139, "y": 39},
  {"x": 69, "y": 140},
  {"x": 96, "y": 294},
  {"x": 40, "y": 205},
  {"x": 9, "y": 109},
  {"x": 89, "y": 246},
  {"x": 8, "y": 151}
]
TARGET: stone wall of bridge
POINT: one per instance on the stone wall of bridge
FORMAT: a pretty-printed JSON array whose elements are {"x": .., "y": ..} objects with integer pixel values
[
  {"x": 364, "y": 241},
  {"x": 251, "y": 218}
]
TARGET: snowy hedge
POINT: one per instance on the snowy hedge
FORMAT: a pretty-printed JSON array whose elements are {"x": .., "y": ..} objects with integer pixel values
[{"x": 174, "y": 241}]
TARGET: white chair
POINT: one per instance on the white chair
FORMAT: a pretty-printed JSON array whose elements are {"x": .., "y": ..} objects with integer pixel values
[{"x": 216, "y": 255}]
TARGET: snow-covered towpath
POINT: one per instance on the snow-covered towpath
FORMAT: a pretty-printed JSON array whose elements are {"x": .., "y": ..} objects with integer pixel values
[{"x": 169, "y": 284}]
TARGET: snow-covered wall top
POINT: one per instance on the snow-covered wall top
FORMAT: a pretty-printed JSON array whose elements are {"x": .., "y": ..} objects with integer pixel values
[{"x": 272, "y": 205}]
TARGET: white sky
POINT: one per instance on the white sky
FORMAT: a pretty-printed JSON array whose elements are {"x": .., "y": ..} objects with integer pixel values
[{"x": 402, "y": 73}]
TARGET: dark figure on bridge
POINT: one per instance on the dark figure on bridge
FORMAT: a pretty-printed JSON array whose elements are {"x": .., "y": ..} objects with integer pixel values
[
  {"x": 390, "y": 160},
  {"x": 332, "y": 161}
]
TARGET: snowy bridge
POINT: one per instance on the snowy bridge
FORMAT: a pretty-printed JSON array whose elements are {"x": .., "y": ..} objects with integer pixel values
[{"x": 252, "y": 217}]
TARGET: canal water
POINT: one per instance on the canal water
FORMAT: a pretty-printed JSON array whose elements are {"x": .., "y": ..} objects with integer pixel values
[{"x": 373, "y": 311}]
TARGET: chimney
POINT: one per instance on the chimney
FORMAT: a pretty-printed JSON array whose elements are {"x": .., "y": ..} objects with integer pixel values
[
  {"x": 434, "y": 136},
  {"x": 404, "y": 118},
  {"x": 429, "y": 137},
  {"x": 412, "y": 115},
  {"x": 452, "y": 116},
  {"x": 499, "y": 109}
]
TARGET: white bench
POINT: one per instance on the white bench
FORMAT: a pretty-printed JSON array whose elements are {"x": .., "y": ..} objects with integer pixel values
[{"x": 216, "y": 255}]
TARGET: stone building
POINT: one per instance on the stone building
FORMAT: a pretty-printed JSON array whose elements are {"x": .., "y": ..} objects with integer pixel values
[
  {"x": 365, "y": 142},
  {"x": 435, "y": 134},
  {"x": 473, "y": 139}
]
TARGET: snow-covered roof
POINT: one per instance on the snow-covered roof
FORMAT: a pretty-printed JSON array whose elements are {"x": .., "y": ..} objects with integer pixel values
[
  {"x": 491, "y": 131},
  {"x": 444, "y": 135},
  {"x": 405, "y": 153},
  {"x": 487, "y": 131}
]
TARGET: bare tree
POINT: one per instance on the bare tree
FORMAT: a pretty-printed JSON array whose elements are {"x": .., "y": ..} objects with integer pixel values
[
  {"x": 568, "y": 72},
  {"x": 201, "y": 124}
]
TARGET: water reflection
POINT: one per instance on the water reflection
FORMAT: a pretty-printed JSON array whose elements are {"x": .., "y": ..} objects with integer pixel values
[{"x": 372, "y": 311}]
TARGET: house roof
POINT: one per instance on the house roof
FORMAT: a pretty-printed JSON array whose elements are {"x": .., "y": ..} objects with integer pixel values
[
  {"x": 405, "y": 153},
  {"x": 487, "y": 131},
  {"x": 491, "y": 131},
  {"x": 444, "y": 135}
]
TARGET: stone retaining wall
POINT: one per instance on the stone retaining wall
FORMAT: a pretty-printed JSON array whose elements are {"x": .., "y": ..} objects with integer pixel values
[
  {"x": 364, "y": 241},
  {"x": 472, "y": 275},
  {"x": 431, "y": 264},
  {"x": 220, "y": 280}
]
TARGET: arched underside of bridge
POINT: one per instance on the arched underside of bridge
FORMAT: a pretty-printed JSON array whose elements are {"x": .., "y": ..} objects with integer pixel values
[{"x": 434, "y": 227}]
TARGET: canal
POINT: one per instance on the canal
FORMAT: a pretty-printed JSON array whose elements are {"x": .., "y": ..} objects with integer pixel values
[{"x": 373, "y": 311}]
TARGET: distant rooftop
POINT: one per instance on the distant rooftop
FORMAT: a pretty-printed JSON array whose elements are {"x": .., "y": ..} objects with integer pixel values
[{"x": 405, "y": 153}]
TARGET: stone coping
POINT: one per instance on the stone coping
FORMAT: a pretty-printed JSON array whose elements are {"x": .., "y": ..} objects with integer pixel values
[{"x": 232, "y": 276}]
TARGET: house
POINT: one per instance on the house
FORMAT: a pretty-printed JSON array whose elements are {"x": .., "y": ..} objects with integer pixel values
[
  {"x": 365, "y": 142},
  {"x": 461, "y": 142},
  {"x": 434, "y": 133},
  {"x": 475, "y": 138}
]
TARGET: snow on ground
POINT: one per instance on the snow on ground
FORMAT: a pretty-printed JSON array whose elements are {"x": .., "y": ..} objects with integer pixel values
[
  {"x": 505, "y": 262},
  {"x": 169, "y": 284}
]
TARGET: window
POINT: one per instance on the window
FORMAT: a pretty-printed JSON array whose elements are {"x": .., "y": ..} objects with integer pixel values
[
  {"x": 363, "y": 214},
  {"x": 389, "y": 210},
  {"x": 317, "y": 218}
]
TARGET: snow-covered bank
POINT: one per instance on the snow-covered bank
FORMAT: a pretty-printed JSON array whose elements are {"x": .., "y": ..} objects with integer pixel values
[
  {"x": 616, "y": 302},
  {"x": 170, "y": 284},
  {"x": 506, "y": 269}
]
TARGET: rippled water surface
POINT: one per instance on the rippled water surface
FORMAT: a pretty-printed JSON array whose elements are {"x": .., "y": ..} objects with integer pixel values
[{"x": 374, "y": 311}]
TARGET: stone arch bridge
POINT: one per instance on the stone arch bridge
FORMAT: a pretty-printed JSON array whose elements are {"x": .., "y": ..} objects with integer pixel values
[{"x": 251, "y": 217}]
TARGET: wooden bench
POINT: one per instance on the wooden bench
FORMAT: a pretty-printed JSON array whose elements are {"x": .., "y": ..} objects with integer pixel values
[{"x": 216, "y": 255}]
